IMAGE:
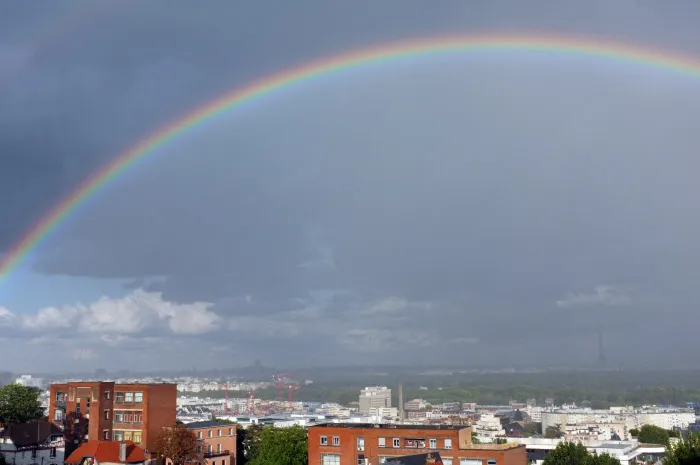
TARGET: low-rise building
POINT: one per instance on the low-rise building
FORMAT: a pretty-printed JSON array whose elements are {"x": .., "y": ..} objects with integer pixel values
[
  {"x": 32, "y": 443},
  {"x": 107, "y": 453},
  {"x": 627, "y": 452},
  {"x": 352, "y": 444},
  {"x": 217, "y": 442}
]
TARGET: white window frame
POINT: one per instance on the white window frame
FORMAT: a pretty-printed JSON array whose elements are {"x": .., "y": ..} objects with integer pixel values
[
  {"x": 382, "y": 442},
  {"x": 396, "y": 443},
  {"x": 335, "y": 459},
  {"x": 336, "y": 440},
  {"x": 448, "y": 444},
  {"x": 128, "y": 397},
  {"x": 432, "y": 443},
  {"x": 324, "y": 440},
  {"x": 361, "y": 443},
  {"x": 138, "y": 397}
]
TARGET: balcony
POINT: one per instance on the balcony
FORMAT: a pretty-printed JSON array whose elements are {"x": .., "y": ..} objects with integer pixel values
[
  {"x": 207, "y": 455},
  {"x": 414, "y": 443}
]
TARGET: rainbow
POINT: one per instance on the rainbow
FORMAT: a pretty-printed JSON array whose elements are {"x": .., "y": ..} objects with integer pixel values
[{"x": 285, "y": 79}]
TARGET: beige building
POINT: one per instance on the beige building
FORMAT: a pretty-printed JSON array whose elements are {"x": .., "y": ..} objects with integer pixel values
[{"x": 374, "y": 397}]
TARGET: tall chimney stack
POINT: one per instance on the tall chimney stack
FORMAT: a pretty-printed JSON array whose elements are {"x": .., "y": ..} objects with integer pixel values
[
  {"x": 401, "y": 402},
  {"x": 122, "y": 451}
]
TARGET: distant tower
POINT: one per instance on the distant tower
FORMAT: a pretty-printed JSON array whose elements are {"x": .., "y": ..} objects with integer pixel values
[
  {"x": 602, "y": 359},
  {"x": 401, "y": 402}
]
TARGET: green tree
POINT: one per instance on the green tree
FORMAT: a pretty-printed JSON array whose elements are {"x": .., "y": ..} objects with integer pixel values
[
  {"x": 570, "y": 453},
  {"x": 634, "y": 432},
  {"x": 650, "y": 434},
  {"x": 602, "y": 459},
  {"x": 281, "y": 446},
  {"x": 19, "y": 404},
  {"x": 553, "y": 432},
  {"x": 684, "y": 452},
  {"x": 179, "y": 444},
  {"x": 249, "y": 442}
]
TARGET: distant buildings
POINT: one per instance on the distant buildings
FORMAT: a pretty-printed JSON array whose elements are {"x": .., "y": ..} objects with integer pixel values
[{"x": 374, "y": 397}]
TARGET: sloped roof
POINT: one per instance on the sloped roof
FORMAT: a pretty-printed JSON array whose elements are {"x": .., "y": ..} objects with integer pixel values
[
  {"x": 30, "y": 434},
  {"x": 107, "y": 451}
]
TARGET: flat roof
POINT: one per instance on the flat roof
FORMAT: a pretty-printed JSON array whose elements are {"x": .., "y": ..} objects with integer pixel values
[
  {"x": 207, "y": 424},
  {"x": 387, "y": 426},
  {"x": 614, "y": 445}
]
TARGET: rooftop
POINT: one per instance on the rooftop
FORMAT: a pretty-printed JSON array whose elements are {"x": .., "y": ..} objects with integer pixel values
[
  {"x": 107, "y": 451},
  {"x": 387, "y": 426},
  {"x": 208, "y": 424}
]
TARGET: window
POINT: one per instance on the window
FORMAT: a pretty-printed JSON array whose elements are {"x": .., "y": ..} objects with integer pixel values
[
  {"x": 58, "y": 415},
  {"x": 106, "y": 414},
  {"x": 382, "y": 442},
  {"x": 128, "y": 435},
  {"x": 397, "y": 443},
  {"x": 118, "y": 417},
  {"x": 137, "y": 437},
  {"x": 209, "y": 434},
  {"x": 360, "y": 459},
  {"x": 118, "y": 435},
  {"x": 491, "y": 462},
  {"x": 210, "y": 449},
  {"x": 432, "y": 443},
  {"x": 447, "y": 461},
  {"x": 360, "y": 443},
  {"x": 223, "y": 462},
  {"x": 105, "y": 435},
  {"x": 128, "y": 397},
  {"x": 330, "y": 459},
  {"x": 448, "y": 444},
  {"x": 336, "y": 440},
  {"x": 219, "y": 433},
  {"x": 60, "y": 397},
  {"x": 108, "y": 394},
  {"x": 230, "y": 431},
  {"x": 199, "y": 449},
  {"x": 324, "y": 440},
  {"x": 470, "y": 462},
  {"x": 199, "y": 435},
  {"x": 119, "y": 397},
  {"x": 218, "y": 448},
  {"x": 138, "y": 397}
]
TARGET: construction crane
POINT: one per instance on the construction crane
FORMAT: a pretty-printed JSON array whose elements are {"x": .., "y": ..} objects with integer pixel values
[
  {"x": 250, "y": 403},
  {"x": 226, "y": 409},
  {"x": 282, "y": 380},
  {"x": 292, "y": 388}
]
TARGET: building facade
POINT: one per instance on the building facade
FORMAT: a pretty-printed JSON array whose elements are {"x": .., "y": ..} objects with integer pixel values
[
  {"x": 374, "y": 397},
  {"x": 32, "y": 443},
  {"x": 217, "y": 442},
  {"x": 373, "y": 444},
  {"x": 105, "y": 411}
]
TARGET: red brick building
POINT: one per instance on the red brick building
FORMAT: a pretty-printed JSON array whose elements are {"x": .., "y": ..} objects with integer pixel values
[
  {"x": 355, "y": 444},
  {"x": 217, "y": 442},
  {"x": 97, "y": 410}
]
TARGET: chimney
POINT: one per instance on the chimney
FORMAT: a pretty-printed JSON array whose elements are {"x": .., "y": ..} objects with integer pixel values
[
  {"x": 122, "y": 451},
  {"x": 401, "y": 402}
]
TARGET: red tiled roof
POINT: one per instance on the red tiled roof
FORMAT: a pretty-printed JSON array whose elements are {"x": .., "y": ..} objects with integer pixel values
[{"x": 107, "y": 451}]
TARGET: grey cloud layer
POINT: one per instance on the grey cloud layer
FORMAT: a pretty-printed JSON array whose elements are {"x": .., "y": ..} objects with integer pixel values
[{"x": 481, "y": 195}]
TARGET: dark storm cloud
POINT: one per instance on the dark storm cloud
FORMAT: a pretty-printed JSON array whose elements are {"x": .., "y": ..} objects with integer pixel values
[{"x": 469, "y": 196}]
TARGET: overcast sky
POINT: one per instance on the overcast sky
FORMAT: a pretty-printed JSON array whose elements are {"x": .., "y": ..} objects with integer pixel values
[{"x": 493, "y": 208}]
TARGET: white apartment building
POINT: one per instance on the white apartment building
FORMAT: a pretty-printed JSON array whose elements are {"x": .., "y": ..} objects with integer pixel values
[
  {"x": 384, "y": 412},
  {"x": 617, "y": 420},
  {"x": 628, "y": 452},
  {"x": 488, "y": 427},
  {"x": 374, "y": 397}
]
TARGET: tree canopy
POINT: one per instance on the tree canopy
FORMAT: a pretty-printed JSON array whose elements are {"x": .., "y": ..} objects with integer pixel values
[
  {"x": 574, "y": 453},
  {"x": 684, "y": 452},
  {"x": 179, "y": 444},
  {"x": 553, "y": 432},
  {"x": 280, "y": 446},
  {"x": 19, "y": 404},
  {"x": 650, "y": 434}
]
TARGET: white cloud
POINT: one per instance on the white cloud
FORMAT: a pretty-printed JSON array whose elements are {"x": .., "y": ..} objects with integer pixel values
[
  {"x": 116, "y": 317},
  {"x": 83, "y": 354},
  {"x": 7, "y": 318},
  {"x": 601, "y": 296}
]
